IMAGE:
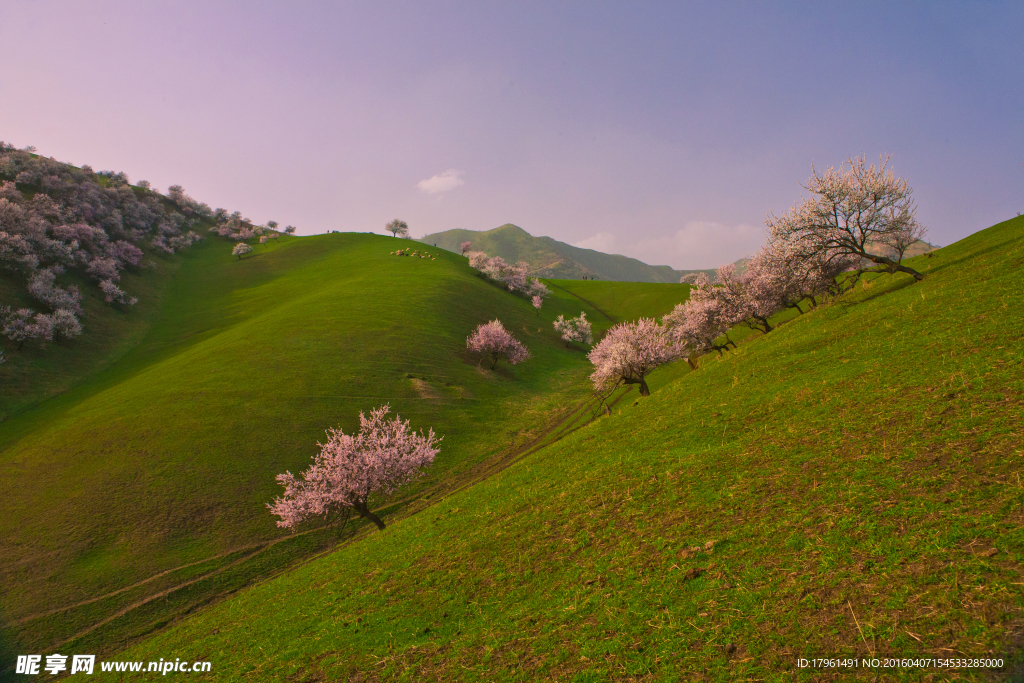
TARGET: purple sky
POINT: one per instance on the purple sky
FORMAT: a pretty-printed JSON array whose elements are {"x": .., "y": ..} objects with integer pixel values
[{"x": 663, "y": 131}]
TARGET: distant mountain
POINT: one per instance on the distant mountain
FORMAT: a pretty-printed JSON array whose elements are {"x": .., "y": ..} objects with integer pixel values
[
  {"x": 557, "y": 260},
  {"x": 553, "y": 259}
]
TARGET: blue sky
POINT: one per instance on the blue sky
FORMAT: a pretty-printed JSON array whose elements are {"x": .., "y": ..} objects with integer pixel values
[{"x": 664, "y": 131}]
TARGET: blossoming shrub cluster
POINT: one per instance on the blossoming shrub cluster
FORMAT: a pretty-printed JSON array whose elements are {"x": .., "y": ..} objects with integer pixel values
[
  {"x": 512, "y": 276},
  {"x": 56, "y": 219},
  {"x": 235, "y": 227},
  {"x": 575, "y": 329},
  {"x": 494, "y": 341}
]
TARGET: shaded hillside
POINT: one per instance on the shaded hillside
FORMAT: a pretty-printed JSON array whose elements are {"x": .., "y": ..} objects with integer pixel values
[
  {"x": 550, "y": 258},
  {"x": 82, "y": 256},
  {"x": 844, "y": 486}
]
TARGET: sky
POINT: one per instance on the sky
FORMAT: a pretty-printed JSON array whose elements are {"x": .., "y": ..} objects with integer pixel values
[{"x": 662, "y": 131}]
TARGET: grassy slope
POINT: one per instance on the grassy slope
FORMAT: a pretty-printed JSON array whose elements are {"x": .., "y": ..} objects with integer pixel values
[
  {"x": 621, "y": 300},
  {"x": 856, "y": 468},
  {"x": 167, "y": 457}
]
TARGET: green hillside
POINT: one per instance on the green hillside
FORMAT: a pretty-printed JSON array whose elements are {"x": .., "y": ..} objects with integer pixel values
[
  {"x": 550, "y": 258},
  {"x": 847, "y": 485},
  {"x": 141, "y": 490},
  {"x": 620, "y": 301}
]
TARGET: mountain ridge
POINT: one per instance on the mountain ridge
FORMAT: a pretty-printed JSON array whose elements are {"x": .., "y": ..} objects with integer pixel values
[{"x": 551, "y": 258}]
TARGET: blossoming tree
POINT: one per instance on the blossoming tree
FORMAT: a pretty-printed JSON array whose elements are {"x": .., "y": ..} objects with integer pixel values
[
  {"x": 349, "y": 469},
  {"x": 629, "y": 352},
  {"x": 858, "y": 210},
  {"x": 575, "y": 329},
  {"x": 699, "y": 325},
  {"x": 240, "y": 250},
  {"x": 397, "y": 227},
  {"x": 495, "y": 341}
]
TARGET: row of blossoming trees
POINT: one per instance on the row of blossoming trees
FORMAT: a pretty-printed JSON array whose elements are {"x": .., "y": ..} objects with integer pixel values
[
  {"x": 239, "y": 229},
  {"x": 56, "y": 219},
  {"x": 858, "y": 217}
]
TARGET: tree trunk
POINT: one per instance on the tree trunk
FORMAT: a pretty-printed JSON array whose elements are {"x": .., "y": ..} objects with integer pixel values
[
  {"x": 693, "y": 366},
  {"x": 894, "y": 266},
  {"x": 644, "y": 391},
  {"x": 365, "y": 513},
  {"x": 495, "y": 362}
]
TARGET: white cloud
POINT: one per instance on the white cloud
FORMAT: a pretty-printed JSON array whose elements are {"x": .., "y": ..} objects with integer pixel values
[
  {"x": 442, "y": 182},
  {"x": 602, "y": 241},
  {"x": 700, "y": 244}
]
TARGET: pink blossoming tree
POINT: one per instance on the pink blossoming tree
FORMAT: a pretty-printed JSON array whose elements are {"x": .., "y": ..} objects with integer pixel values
[
  {"x": 514, "y": 276},
  {"x": 629, "y": 352},
  {"x": 700, "y": 324},
  {"x": 751, "y": 298},
  {"x": 384, "y": 455},
  {"x": 465, "y": 247},
  {"x": 495, "y": 341},
  {"x": 858, "y": 210},
  {"x": 113, "y": 294},
  {"x": 575, "y": 329}
]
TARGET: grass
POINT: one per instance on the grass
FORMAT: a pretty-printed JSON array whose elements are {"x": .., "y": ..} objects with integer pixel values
[
  {"x": 619, "y": 301},
  {"x": 128, "y": 496},
  {"x": 848, "y": 485}
]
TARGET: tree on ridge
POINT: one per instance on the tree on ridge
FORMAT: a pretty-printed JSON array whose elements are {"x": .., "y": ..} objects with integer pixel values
[{"x": 398, "y": 227}]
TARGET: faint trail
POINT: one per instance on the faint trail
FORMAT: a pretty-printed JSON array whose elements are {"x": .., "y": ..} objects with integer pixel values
[
  {"x": 475, "y": 475},
  {"x": 151, "y": 598},
  {"x": 261, "y": 545},
  {"x": 589, "y": 303}
]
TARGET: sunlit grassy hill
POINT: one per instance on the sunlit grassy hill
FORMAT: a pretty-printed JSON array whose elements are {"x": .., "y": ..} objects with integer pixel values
[
  {"x": 847, "y": 485},
  {"x": 618, "y": 301},
  {"x": 141, "y": 491}
]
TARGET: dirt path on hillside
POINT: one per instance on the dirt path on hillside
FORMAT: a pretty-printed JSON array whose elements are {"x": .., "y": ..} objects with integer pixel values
[
  {"x": 556, "y": 430},
  {"x": 589, "y": 303}
]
